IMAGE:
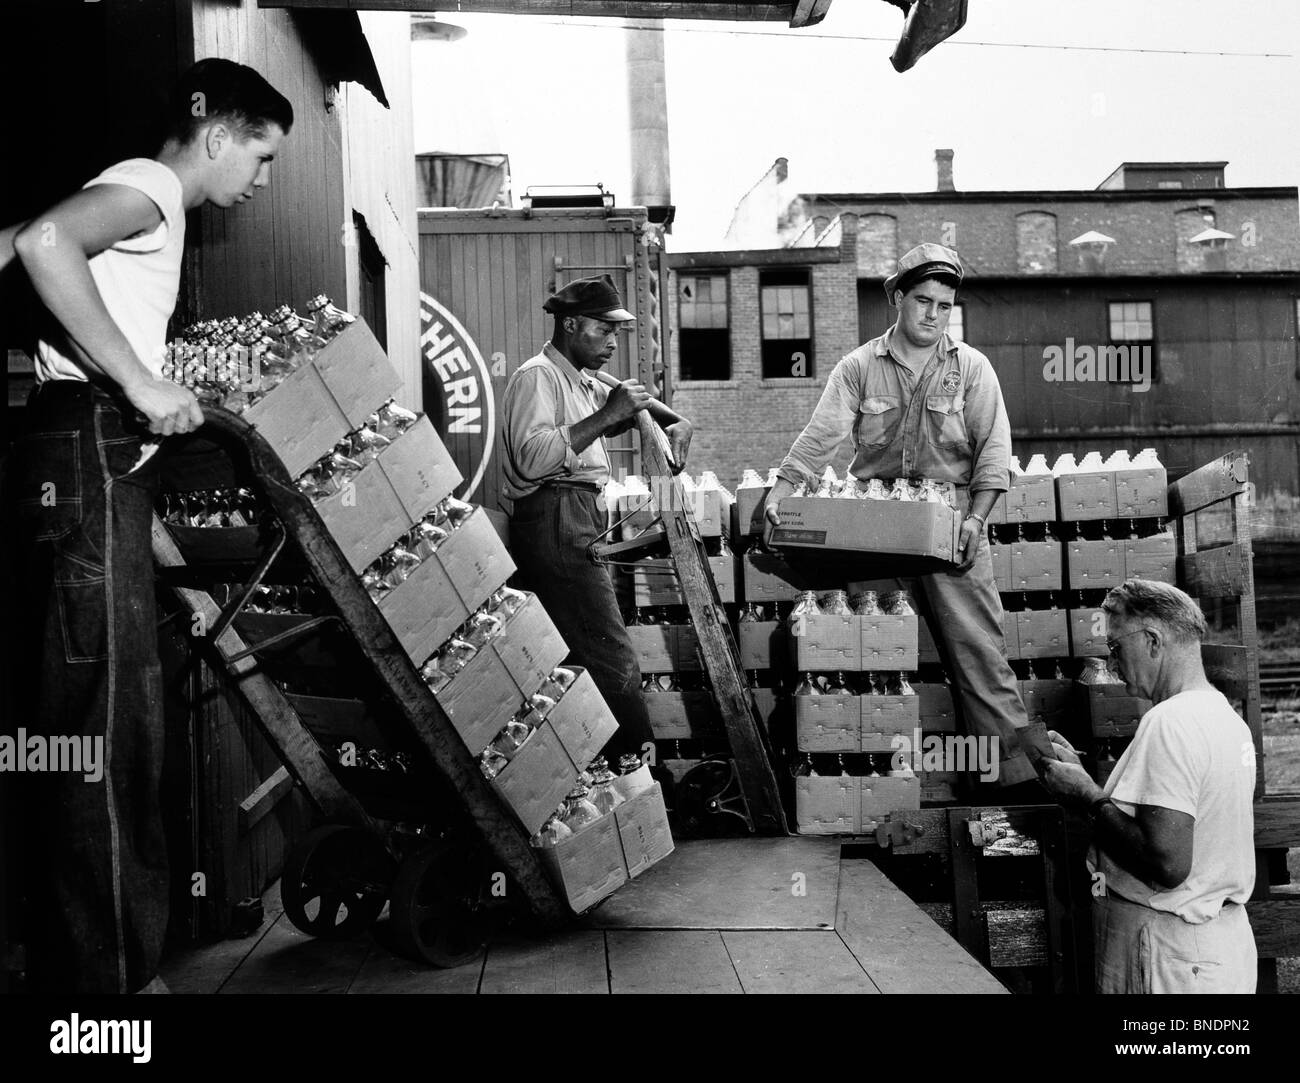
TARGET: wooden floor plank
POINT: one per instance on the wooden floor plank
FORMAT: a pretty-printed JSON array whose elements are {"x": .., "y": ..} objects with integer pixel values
[
  {"x": 781, "y": 883},
  {"x": 778, "y": 961},
  {"x": 287, "y": 961},
  {"x": 204, "y": 968},
  {"x": 670, "y": 961},
  {"x": 385, "y": 972},
  {"x": 570, "y": 962},
  {"x": 898, "y": 945}
]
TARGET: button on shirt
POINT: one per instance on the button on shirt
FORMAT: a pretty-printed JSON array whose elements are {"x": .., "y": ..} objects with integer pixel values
[
  {"x": 544, "y": 398},
  {"x": 948, "y": 423}
]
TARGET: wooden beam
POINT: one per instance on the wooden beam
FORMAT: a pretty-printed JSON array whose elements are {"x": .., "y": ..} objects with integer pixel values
[
  {"x": 1213, "y": 573},
  {"x": 255, "y": 807},
  {"x": 1276, "y": 925},
  {"x": 1277, "y": 823},
  {"x": 746, "y": 734},
  {"x": 1215, "y": 481},
  {"x": 584, "y": 9},
  {"x": 1228, "y": 666}
]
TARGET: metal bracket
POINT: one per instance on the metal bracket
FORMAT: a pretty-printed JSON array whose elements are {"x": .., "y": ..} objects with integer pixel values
[
  {"x": 897, "y": 833},
  {"x": 983, "y": 833}
]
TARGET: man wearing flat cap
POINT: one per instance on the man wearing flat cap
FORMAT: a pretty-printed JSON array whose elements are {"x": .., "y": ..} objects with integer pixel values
[
  {"x": 555, "y": 420},
  {"x": 919, "y": 404}
]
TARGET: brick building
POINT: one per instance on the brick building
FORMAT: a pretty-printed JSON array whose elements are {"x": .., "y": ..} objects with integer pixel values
[
  {"x": 1196, "y": 282},
  {"x": 753, "y": 335}
]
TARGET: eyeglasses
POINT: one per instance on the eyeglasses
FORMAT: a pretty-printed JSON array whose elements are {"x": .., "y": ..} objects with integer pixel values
[{"x": 1112, "y": 645}]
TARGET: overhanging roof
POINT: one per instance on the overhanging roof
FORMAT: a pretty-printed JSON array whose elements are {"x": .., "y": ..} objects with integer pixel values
[{"x": 796, "y": 13}]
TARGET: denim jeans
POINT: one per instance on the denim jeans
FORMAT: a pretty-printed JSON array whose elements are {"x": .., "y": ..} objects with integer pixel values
[
  {"x": 549, "y": 534},
  {"x": 87, "y": 665}
]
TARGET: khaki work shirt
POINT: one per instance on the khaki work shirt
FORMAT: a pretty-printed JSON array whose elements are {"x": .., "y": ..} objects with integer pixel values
[
  {"x": 544, "y": 398},
  {"x": 948, "y": 423}
]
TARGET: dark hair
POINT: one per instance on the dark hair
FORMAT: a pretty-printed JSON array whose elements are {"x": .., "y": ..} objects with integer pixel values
[{"x": 221, "y": 89}]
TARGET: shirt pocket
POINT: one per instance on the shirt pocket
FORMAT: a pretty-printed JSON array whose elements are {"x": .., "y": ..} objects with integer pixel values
[
  {"x": 878, "y": 418},
  {"x": 947, "y": 420}
]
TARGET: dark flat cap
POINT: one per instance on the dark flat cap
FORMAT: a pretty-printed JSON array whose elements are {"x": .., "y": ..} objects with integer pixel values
[
  {"x": 596, "y": 297},
  {"x": 924, "y": 259}
]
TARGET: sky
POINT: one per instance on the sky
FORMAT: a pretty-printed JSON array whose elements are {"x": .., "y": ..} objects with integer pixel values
[{"x": 1141, "y": 82}]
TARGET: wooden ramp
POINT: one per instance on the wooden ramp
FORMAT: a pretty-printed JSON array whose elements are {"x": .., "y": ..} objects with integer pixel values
[{"x": 717, "y": 916}]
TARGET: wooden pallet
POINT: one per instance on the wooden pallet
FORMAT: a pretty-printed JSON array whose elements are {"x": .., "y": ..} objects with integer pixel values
[{"x": 1223, "y": 574}]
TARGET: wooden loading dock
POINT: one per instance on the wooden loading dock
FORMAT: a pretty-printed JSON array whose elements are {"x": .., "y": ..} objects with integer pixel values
[{"x": 787, "y": 915}]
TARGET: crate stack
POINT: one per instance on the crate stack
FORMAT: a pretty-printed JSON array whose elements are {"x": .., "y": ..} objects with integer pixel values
[
  {"x": 683, "y": 713},
  {"x": 437, "y": 570},
  {"x": 1060, "y": 539}
]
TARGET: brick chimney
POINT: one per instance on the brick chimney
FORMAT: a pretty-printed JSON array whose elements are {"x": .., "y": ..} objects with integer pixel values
[{"x": 943, "y": 164}]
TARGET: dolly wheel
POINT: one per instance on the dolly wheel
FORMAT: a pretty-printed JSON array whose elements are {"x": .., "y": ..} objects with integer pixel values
[
  {"x": 437, "y": 914},
  {"x": 336, "y": 881},
  {"x": 709, "y": 802}
]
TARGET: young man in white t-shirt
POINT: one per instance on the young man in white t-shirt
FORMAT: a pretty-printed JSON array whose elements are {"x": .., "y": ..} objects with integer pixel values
[
  {"x": 106, "y": 263},
  {"x": 1174, "y": 848}
]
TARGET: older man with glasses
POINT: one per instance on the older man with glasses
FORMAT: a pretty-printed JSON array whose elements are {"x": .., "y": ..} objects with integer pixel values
[{"x": 1173, "y": 842}]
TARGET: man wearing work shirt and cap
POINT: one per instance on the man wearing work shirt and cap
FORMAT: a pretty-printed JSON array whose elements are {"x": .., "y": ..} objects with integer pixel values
[
  {"x": 919, "y": 404},
  {"x": 556, "y": 416}
]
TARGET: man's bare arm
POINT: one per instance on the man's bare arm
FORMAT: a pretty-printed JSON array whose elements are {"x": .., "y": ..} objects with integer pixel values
[
  {"x": 55, "y": 249},
  {"x": 1155, "y": 844}
]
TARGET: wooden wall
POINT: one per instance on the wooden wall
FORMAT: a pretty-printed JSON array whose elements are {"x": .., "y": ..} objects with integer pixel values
[
  {"x": 286, "y": 244},
  {"x": 1228, "y": 364},
  {"x": 379, "y": 183},
  {"x": 493, "y": 275}
]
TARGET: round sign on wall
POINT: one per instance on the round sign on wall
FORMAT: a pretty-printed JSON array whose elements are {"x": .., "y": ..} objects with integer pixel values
[{"x": 458, "y": 394}]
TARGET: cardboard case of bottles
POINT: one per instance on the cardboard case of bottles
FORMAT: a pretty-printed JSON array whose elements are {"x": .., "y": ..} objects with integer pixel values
[
  {"x": 390, "y": 494},
  {"x": 711, "y": 509},
  {"x": 680, "y": 716},
  {"x": 447, "y": 586},
  {"x": 322, "y": 401},
  {"x": 1111, "y": 711},
  {"x": 1097, "y": 564},
  {"x": 1030, "y": 498},
  {"x": 1113, "y": 494},
  {"x": 598, "y": 859},
  {"x": 828, "y": 642},
  {"x": 882, "y": 527},
  {"x": 540, "y": 775},
  {"x": 655, "y": 581},
  {"x": 480, "y": 699},
  {"x": 1028, "y": 565},
  {"x": 848, "y": 805},
  {"x": 825, "y": 723},
  {"x": 1036, "y": 633}
]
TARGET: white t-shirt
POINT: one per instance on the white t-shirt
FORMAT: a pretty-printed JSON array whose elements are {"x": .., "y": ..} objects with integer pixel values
[
  {"x": 139, "y": 277},
  {"x": 1192, "y": 753}
]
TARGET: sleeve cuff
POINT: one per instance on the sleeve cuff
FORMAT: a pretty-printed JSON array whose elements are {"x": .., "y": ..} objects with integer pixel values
[
  {"x": 1132, "y": 796},
  {"x": 571, "y": 461}
]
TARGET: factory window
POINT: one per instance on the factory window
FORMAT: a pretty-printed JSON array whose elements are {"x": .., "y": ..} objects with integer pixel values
[
  {"x": 1169, "y": 184},
  {"x": 785, "y": 298},
  {"x": 704, "y": 327},
  {"x": 1132, "y": 325},
  {"x": 957, "y": 323}
]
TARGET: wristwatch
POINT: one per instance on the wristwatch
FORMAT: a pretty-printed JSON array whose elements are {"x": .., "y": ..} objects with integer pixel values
[
  {"x": 1094, "y": 810},
  {"x": 972, "y": 515}
]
